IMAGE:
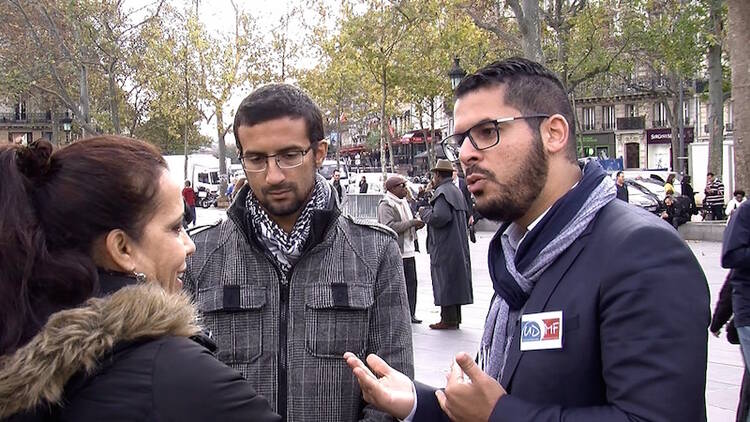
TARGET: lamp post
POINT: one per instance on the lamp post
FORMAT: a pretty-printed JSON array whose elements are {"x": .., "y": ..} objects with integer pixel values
[
  {"x": 66, "y": 126},
  {"x": 456, "y": 73}
]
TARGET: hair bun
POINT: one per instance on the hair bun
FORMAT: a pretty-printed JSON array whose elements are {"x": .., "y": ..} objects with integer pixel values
[{"x": 34, "y": 159}]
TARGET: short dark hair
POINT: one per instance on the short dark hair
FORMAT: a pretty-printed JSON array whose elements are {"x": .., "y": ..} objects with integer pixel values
[
  {"x": 619, "y": 173},
  {"x": 275, "y": 101},
  {"x": 529, "y": 87},
  {"x": 57, "y": 203},
  {"x": 710, "y": 174},
  {"x": 739, "y": 192}
]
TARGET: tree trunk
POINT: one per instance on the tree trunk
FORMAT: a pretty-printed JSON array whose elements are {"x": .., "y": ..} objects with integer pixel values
[
  {"x": 221, "y": 131},
  {"x": 186, "y": 129},
  {"x": 716, "y": 94},
  {"x": 431, "y": 154},
  {"x": 527, "y": 15},
  {"x": 114, "y": 107},
  {"x": 738, "y": 41},
  {"x": 383, "y": 123},
  {"x": 85, "y": 108}
]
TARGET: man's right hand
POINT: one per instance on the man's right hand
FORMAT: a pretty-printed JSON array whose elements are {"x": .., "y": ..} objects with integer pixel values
[
  {"x": 390, "y": 391},
  {"x": 418, "y": 224}
]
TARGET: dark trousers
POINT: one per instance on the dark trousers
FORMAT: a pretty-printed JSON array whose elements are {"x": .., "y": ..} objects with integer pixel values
[
  {"x": 410, "y": 275},
  {"x": 450, "y": 314},
  {"x": 192, "y": 216}
]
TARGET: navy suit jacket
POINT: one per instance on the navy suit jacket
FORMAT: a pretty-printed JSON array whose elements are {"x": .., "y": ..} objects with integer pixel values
[{"x": 635, "y": 306}]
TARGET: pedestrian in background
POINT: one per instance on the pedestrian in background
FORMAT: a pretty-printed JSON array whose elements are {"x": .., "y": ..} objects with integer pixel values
[
  {"x": 722, "y": 317},
  {"x": 738, "y": 197},
  {"x": 93, "y": 324},
  {"x": 363, "y": 185},
  {"x": 735, "y": 255},
  {"x": 394, "y": 211},
  {"x": 188, "y": 194},
  {"x": 446, "y": 217},
  {"x": 336, "y": 183},
  {"x": 687, "y": 191},
  {"x": 669, "y": 185},
  {"x": 714, "y": 199},
  {"x": 622, "y": 190}
]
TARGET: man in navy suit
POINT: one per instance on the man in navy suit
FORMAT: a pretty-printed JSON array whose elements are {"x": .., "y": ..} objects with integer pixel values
[{"x": 600, "y": 311}]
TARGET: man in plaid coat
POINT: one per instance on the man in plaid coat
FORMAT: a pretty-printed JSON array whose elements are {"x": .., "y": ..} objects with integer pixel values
[{"x": 288, "y": 284}]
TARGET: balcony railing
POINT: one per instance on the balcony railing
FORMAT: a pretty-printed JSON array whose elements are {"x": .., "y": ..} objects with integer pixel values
[
  {"x": 729, "y": 127},
  {"x": 26, "y": 117},
  {"x": 588, "y": 126},
  {"x": 608, "y": 125},
  {"x": 631, "y": 123},
  {"x": 659, "y": 123}
]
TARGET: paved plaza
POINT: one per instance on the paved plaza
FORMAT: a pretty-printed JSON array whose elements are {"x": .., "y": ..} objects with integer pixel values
[{"x": 434, "y": 350}]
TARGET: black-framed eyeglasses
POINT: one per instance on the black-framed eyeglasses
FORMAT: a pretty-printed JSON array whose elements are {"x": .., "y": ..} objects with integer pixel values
[
  {"x": 256, "y": 162},
  {"x": 483, "y": 135}
]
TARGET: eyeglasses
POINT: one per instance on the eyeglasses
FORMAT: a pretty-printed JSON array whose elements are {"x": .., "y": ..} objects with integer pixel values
[
  {"x": 483, "y": 135},
  {"x": 255, "y": 163}
]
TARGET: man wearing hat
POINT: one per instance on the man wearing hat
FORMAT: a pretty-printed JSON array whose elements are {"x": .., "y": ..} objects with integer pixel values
[
  {"x": 394, "y": 212},
  {"x": 448, "y": 245}
]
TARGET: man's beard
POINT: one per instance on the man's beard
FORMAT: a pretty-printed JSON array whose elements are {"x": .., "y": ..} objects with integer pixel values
[
  {"x": 514, "y": 197},
  {"x": 283, "y": 209}
]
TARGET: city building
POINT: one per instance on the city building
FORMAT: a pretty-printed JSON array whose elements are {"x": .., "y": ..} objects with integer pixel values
[{"x": 25, "y": 120}]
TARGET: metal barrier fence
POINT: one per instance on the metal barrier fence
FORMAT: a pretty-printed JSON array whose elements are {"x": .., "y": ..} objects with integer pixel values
[{"x": 362, "y": 205}]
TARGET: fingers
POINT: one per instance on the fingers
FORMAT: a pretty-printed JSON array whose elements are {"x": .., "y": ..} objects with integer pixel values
[
  {"x": 468, "y": 366},
  {"x": 456, "y": 375},
  {"x": 355, "y": 363},
  {"x": 378, "y": 365},
  {"x": 443, "y": 402}
]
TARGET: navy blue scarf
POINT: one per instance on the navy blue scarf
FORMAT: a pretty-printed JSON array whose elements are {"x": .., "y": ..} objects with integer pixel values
[{"x": 559, "y": 215}]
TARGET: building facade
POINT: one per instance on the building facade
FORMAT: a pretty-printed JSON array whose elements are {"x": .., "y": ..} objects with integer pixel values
[
  {"x": 634, "y": 126},
  {"x": 26, "y": 120}
]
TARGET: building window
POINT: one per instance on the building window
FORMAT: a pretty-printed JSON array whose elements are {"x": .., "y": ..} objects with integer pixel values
[
  {"x": 608, "y": 117},
  {"x": 686, "y": 112},
  {"x": 630, "y": 110},
  {"x": 589, "y": 120},
  {"x": 660, "y": 115}
]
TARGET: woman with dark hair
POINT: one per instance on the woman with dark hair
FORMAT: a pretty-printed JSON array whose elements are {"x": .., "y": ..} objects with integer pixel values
[{"x": 93, "y": 324}]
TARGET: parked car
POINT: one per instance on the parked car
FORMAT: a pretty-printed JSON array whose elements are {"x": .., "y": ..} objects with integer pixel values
[{"x": 640, "y": 196}]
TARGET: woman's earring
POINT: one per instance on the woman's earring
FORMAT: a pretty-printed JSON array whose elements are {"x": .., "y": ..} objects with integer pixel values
[{"x": 140, "y": 277}]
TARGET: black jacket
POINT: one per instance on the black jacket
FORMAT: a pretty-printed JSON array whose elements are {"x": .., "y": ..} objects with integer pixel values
[
  {"x": 159, "y": 369},
  {"x": 735, "y": 254}
]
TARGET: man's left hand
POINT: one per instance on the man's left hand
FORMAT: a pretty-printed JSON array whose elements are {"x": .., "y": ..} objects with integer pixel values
[{"x": 471, "y": 399}]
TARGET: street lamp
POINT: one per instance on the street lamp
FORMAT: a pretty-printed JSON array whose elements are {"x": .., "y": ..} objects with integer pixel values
[
  {"x": 67, "y": 125},
  {"x": 456, "y": 73}
]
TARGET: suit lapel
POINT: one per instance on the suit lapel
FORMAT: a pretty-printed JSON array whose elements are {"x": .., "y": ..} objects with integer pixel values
[{"x": 538, "y": 300}]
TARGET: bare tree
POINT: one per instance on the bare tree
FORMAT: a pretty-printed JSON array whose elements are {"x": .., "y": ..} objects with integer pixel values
[{"x": 739, "y": 50}]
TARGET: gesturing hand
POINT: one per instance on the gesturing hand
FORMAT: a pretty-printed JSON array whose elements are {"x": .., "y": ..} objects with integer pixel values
[
  {"x": 471, "y": 399},
  {"x": 390, "y": 391}
]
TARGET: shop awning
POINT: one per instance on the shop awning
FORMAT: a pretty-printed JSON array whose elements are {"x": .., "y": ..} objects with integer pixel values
[
  {"x": 417, "y": 137},
  {"x": 353, "y": 149}
]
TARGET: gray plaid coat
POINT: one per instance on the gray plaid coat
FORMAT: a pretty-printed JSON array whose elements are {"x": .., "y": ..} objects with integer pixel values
[{"x": 347, "y": 293}]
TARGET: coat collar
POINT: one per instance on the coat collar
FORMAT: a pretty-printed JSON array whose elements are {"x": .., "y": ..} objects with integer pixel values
[
  {"x": 74, "y": 340},
  {"x": 322, "y": 219},
  {"x": 539, "y": 297}
]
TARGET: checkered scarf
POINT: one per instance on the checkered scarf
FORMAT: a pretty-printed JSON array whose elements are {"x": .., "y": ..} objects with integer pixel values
[{"x": 287, "y": 248}]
